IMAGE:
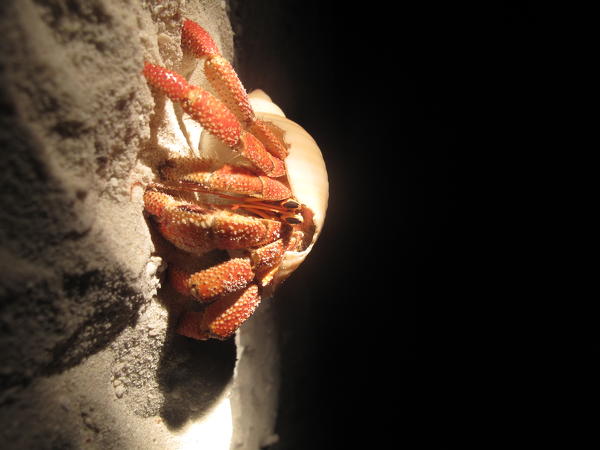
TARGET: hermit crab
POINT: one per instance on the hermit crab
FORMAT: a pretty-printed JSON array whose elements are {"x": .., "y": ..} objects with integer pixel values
[{"x": 258, "y": 192}]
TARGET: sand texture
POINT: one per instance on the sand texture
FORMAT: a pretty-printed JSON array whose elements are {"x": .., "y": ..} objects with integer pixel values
[{"x": 89, "y": 359}]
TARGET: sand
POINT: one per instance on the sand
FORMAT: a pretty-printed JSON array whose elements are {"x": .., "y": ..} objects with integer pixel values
[{"x": 89, "y": 359}]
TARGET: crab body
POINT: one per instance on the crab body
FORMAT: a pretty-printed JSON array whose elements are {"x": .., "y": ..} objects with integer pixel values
[{"x": 251, "y": 211}]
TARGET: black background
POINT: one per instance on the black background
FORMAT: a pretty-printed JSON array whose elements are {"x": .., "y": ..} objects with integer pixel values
[{"x": 409, "y": 106}]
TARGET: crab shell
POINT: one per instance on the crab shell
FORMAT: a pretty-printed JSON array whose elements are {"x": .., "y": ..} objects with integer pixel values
[{"x": 306, "y": 174}]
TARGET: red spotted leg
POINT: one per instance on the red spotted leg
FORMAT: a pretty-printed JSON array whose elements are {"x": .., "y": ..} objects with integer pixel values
[
  {"x": 197, "y": 229},
  {"x": 230, "y": 288},
  {"x": 259, "y": 194},
  {"x": 220, "y": 319},
  {"x": 215, "y": 117},
  {"x": 225, "y": 81}
]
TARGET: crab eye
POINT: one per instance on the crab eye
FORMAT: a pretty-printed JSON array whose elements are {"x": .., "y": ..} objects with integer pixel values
[
  {"x": 294, "y": 220},
  {"x": 290, "y": 203}
]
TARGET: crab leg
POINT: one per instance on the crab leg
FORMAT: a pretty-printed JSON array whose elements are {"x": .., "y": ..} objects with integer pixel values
[
  {"x": 222, "y": 318},
  {"x": 205, "y": 285},
  {"x": 195, "y": 174},
  {"x": 198, "y": 229},
  {"x": 263, "y": 196},
  {"x": 232, "y": 275},
  {"x": 231, "y": 282},
  {"x": 215, "y": 117},
  {"x": 225, "y": 81}
]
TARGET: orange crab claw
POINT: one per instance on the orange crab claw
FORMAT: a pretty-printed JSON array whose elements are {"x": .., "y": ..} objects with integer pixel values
[
  {"x": 225, "y": 278},
  {"x": 215, "y": 116},
  {"x": 197, "y": 229},
  {"x": 220, "y": 319}
]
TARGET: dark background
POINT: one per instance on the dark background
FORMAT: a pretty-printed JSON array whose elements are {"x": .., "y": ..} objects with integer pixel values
[
  {"x": 414, "y": 107},
  {"x": 410, "y": 106}
]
